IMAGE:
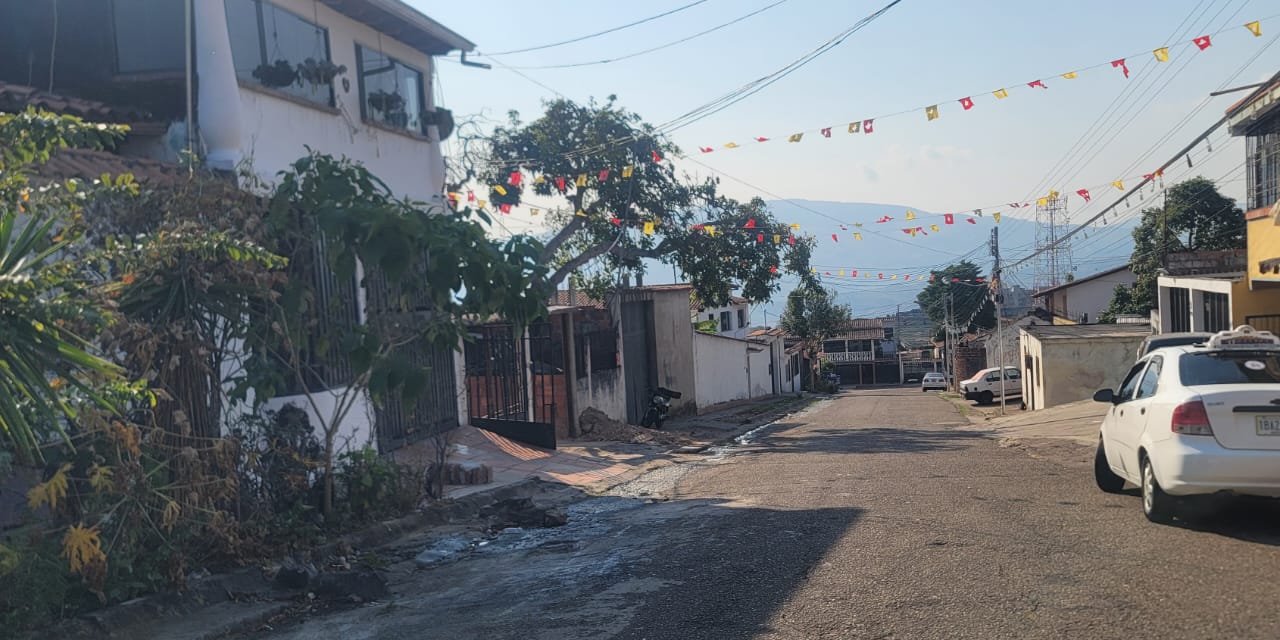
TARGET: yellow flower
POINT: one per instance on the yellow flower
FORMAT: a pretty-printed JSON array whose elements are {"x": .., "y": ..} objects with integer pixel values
[
  {"x": 82, "y": 547},
  {"x": 100, "y": 478},
  {"x": 57, "y": 383}
]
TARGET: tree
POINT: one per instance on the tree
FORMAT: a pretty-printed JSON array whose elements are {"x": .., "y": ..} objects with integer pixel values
[
  {"x": 579, "y": 154},
  {"x": 439, "y": 269},
  {"x": 811, "y": 314},
  {"x": 1195, "y": 216},
  {"x": 969, "y": 300}
]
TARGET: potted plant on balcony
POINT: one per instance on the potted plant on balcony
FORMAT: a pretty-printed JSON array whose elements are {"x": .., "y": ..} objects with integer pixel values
[
  {"x": 319, "y": 72},
  {"x": 278, "y": 75},
  {"x": 386, "y": 102}
]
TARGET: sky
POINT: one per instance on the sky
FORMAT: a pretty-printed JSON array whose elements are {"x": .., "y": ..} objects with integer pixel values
[{"x": 1082, "y": 132}]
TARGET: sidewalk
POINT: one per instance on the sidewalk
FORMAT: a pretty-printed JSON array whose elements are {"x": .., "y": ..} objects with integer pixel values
[{"x": 1074, "y": 422}]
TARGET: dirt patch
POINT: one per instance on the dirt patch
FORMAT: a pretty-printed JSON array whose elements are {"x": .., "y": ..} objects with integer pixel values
[{"x": 598, "y": 427}]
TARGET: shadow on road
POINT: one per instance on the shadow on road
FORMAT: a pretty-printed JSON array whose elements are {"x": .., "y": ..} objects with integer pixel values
[
  {"x": 739, "y": 567},
  {"x": 1243, "y": 518},
  {"x": 873, "y": 440}
]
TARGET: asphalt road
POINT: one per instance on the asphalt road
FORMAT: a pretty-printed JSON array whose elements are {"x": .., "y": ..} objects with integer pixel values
[{"x": 869, "y": 516}]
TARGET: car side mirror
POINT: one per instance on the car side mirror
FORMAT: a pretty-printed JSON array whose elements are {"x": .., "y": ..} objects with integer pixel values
[{"x": 1104, "y": 395}]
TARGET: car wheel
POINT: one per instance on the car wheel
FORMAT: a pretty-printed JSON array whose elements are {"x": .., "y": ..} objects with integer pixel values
[
  {"x": 986, "y": 398},
  {"x": 1157, "y": 505},
  {"x": 1107, "y": 479}
]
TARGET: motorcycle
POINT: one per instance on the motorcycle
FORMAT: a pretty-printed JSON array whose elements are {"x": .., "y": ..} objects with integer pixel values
[{"x": 659, "y": 404}]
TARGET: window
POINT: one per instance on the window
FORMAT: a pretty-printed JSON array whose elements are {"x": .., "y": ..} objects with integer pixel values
[
  {"x": 1130, "y": 383},
  {"x": 604, "y": 349},
  {"x": 391, "y": 93},
  {"x": 1244, "y": 367},
  {"x": 272, "y": 47},
  {"x": 1262, "y": 155},
  {"x": 742, "y": 318},
  {"x": 725, "y": 322},
  {"x": 833, "y": 346},
  {"x": 149, "y": 36},
  {"x": 1217, "y": 313},
  {"x": 888, "y": 333},
  {"x": 1179, "y": 310},
  {"x": 1150, "y": 379}
]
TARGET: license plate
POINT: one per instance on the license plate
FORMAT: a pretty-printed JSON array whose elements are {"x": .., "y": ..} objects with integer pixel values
[{"x": 1268, "y": 425}]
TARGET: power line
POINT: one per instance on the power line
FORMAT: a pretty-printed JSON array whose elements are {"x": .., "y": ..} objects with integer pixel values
[
  {"x": 598, "y": 33},
  {"x": 657, "y": 48}
]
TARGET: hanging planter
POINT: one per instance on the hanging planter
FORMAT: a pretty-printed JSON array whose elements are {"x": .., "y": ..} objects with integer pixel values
[
  {"x": 385, "y": 102},
  {"x": 319, "y": 72},
  {"x": 278, "y": 75}
]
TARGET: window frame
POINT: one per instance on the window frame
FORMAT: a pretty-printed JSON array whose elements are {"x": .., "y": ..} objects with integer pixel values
[
  {"x": 742, "y": 318},
  {"x": 1135, "y": 374},
  {"x": 423, "y": 79},
  {"x": 726, "y": 321},
  {"x": 332, "y": 100},
  {"x": 1154, "y": 367}
]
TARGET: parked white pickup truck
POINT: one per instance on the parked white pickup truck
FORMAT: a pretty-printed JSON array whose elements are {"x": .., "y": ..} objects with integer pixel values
[{"x": 985, "y": 385}]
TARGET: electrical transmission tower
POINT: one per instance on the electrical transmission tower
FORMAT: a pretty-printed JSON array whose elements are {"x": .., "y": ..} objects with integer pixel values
[{"x": 1054, "y": 253}]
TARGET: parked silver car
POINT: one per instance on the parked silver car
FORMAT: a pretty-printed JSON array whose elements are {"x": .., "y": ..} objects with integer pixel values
[{"x": 933, "y": 380}]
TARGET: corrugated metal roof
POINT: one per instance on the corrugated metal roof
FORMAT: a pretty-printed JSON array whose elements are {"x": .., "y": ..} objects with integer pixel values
[{"x": 1086, "y": 331}]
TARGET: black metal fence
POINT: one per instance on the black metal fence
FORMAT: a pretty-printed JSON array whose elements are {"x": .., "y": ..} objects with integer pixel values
[{"x": 515, "y": 381}]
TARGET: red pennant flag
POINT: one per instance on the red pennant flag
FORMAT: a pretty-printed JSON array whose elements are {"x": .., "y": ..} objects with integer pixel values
[
  {"x": 907, "y": 231},
  {"x": 759, "y": 237},
  {"x": 1203, "y": 42},
  {"x": 773, "y": 268},
  {"x": 866, "y": 126},
  {"x": 967, "y": 103},
  {"x": 882, "y": 276},
  {"x": 471, "y": 196},
  {"x": 931, "y": 277},
  {"x": 977, "y": 279},
  {"x": 827, "y": 272},
  {"x": 1037, "y": 83},
  {"x": 826, "y": 133},
  {"x": 853, "y": 274},
  {"x": 1119, "y": 64},
  {"x": 972, "y": 221},
  {"x": 656, "y": 157},
  {"x": 835, "y": 238},
  {"x": 706, "y": 149},
  {"x": 515, "y": 179},
  {"x": 505, "y": 208},
  {"x": 1148, "y": 176},
  {"x": 604, "y": 175},
  {"x": 696, "y": 227},
  {"x": 948, "y": 218},
  {"x": 751, "y": 224},
  {"x": 791, "y": 239},
  {"x": 618, "y": 221},
  {"x": 955, "y": 279},
  {"x": 560, "y": 184},
  {"x": 761, "y": 139},
  {"x": 1084, "y": 193}
]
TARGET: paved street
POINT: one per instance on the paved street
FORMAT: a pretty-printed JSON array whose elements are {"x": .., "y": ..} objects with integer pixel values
[{"x": 868, "y": 516}]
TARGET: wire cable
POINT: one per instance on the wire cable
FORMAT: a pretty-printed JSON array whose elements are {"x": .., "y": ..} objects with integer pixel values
[{"x": 598, "y": 33}]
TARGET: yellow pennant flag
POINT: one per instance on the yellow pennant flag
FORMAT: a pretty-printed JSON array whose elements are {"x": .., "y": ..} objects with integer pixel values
[
  {"x": 934, "y": 227},
  {"x": 582, "y": 180},
  {"x": 813, "y": 270},
  {"x": 1162, "y": 54},
  {"x": 534, "y": 212},
  {"x": 855, "y": 127},
  {"x": 911, "y": 215},
  {"x": 539, "y": 179},
  {"x": 1070, "y": 75},
  {"x": 626, "y": 171},
  {"x": 777, "y": 239},
  {"x": 731, "y": 145},
  {"x": 1042, "y": 202},
  {"x": 648, "y": 228},
  {"x": 893, "y": 277},
  {"x": 795, "y": 225},
  {"x": 480, "y": 204},
  {"x": 1001, "y": 93},
  {"x": 582, "y": 213},
  {"x": 502, "y": 191},
  {"x": 1053, "y": 194},
  {"x": 711, "y": 230},
  {"x": 1254, "y": 27},
  {"x": 1119, "y": 184},
  {"x": 931, "y": 112},
  {"x": 996, "y": 216},
  {"x": 866, "y": 275},
  {"x": 842, "y": 273},
  {"x": 857, "y": 236},
  {"x": 795, "y": 137}
]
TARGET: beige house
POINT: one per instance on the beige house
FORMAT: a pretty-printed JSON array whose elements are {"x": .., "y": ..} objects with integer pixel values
[{"x": 1065, "y": 363}]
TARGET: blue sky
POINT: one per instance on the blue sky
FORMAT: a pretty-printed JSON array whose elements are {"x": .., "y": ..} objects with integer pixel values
[{"x": 920, "y": 53}]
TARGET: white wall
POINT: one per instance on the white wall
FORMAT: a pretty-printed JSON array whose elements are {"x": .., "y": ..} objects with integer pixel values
[
  {"x": 1071, "y": 370},
  {"x": 738, "y": 329},
  {"x": 758, "y": 371},
  {"x": 353, "y": 432},
  {"x": 720, "y": 366},
  {"x": 1091, "y": 297},
  {"x": 275, "y": 130}
]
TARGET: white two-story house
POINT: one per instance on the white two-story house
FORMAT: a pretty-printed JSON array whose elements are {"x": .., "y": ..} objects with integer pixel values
[
  {"x": 733, "y": 319},
  {"x": 249, "y": 86}
]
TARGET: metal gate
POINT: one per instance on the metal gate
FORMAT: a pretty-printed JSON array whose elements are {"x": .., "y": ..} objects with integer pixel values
[
  {"x": 433, "y": 411},
  {"x": 513, "y": 380},
  {"x": 1264, "y": 323},
  {"x": 638, "y": 357}
]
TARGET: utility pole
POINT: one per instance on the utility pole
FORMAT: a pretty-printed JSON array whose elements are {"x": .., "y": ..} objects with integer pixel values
[
  {"x": 897, "y": 340},
  {"x": 998, "y": 298},
  {"x": 951, "y": 339}
]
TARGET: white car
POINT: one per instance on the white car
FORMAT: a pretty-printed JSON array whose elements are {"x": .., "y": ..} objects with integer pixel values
[
  {"x": 933, "y": 380},
  {"x": 985, "y": 386},
  {"x": 1195, "y": 420}
]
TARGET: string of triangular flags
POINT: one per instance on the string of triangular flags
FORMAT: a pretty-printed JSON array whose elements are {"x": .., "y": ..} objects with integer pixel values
[
  {"x": 933, "y": 111},
  {"x": 904, "y": 278}
]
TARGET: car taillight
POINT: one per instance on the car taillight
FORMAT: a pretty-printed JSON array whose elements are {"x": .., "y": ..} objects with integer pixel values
[{"x": 1191, "y": 419}]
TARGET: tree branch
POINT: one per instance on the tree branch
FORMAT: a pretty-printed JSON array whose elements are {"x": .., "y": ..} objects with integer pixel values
[{"x": 562, "y": 236}]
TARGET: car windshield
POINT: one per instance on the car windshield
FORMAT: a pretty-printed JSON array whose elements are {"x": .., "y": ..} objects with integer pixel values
[
  {"x": 1174, "y": 342},
  {"x": 1243, "y": 367}
]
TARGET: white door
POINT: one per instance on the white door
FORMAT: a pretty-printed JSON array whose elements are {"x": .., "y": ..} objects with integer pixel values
[
  {"x": 1134, "y": 413},
  {"x": 1117, "y": 428}
]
